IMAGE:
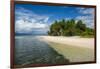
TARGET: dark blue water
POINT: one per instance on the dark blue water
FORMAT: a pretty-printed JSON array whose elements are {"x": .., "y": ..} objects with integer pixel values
[{"x": 33, "y": 50}]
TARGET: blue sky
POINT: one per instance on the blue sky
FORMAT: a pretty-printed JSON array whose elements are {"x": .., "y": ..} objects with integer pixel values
[{"x": 36, "y": 19}]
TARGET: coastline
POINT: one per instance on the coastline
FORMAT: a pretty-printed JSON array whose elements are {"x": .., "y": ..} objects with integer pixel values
[
  {"x": 76, "y": 49},
  {"x": 73, "y": 41}
]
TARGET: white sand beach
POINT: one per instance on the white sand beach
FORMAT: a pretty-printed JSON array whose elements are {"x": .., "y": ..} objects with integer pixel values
[
  {"x": 75, "y": 48},
  {"x": 73, "y": 41}
]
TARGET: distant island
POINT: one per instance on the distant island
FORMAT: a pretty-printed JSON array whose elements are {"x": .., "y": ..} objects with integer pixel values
[{"x": 35, "y": 34}]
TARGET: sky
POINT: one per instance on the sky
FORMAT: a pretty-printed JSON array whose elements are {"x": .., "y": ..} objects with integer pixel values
[{"x": 36, "y": 19}]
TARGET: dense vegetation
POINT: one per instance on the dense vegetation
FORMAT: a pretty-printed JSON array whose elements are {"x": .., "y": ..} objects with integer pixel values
[{"x": 70, "y": 28}]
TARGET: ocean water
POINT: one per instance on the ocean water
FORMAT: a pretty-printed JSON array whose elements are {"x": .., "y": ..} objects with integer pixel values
[{"x": 32, "y": 50}]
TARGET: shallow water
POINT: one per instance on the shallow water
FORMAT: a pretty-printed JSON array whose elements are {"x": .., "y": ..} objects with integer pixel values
[{"x": 32, "y": 50}]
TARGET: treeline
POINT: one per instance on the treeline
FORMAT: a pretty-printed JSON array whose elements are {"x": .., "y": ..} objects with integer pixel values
[{"x": 70, "y": 28}]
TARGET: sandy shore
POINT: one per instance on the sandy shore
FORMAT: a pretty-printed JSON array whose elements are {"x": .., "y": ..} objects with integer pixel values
[{"x": 73, "y": 41}]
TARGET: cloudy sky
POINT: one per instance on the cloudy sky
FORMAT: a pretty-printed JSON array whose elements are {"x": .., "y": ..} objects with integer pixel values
[{"x": 36, "y": 19}]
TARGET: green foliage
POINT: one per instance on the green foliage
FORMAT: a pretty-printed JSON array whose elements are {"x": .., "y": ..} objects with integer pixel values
[
  {"x": 69, "y": 28},
  {"x": 88, "y": 33},
  {"x": 80, "y": 27}
]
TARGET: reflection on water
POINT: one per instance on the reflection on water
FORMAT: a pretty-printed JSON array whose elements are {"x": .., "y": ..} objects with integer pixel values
[{"x": 31, "y": 50}]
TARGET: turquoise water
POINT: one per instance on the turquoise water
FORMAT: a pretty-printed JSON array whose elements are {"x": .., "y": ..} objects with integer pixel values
[{"x": 31, "y": 50}]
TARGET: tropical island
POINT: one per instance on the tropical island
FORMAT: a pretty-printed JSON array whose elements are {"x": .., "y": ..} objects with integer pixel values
[{"x": 70, "y": 28}]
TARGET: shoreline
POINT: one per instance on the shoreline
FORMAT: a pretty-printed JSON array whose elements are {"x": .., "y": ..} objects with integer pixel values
[
  {"x": 75, "y": 48},
  {"x": 73, "y": 41}
]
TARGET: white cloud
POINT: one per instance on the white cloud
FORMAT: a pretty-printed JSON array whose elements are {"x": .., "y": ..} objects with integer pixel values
[
  {"x": 89, "y": 21},
  {"x": 83, "y": 10},
  {"x": 87, "y": 11},
  {"x": 87, "y": 15},
  {"x": 25, "y": 27},
  {"x": 28, "y": 22}
]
